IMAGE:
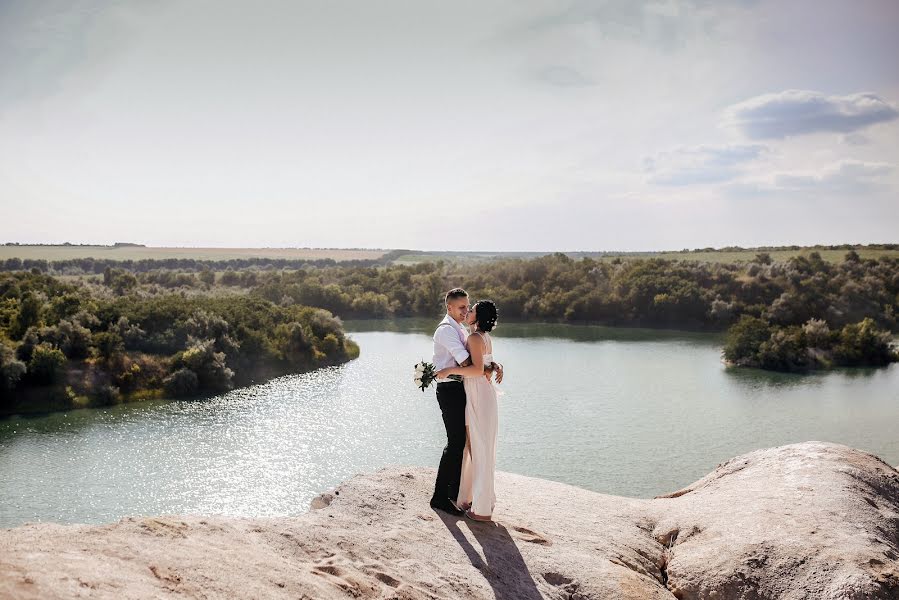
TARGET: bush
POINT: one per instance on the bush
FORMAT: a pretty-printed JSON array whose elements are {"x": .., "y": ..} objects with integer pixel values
[
  {"x": 785, "y": 350},
  {"x": 126, "y": 380},
  {"x": 108, "y": 344},
  {"x": 371, "y": 304},
  {"x": 745, "y": 339},
  {"x": 331, "y": 346},
  {"x": 182, "y": 383},
  {"x": 133, "y": 337},
  {"x": 817, "y": 333},
  {"x": 27, "y": 316},
  {"x": 230, "y": 277},
  {"x": 107, "y": 395},
  {"x": 119, "y": 280},
  {"x": 73, "y": 339},
  {"x": 47, "y": 364},
  {"x": 209, "y": 365},
  {"x": 292, "y": 343},
  {"x": 203, "y": 325},
  {"x": 11, "y": 369},
  {"x": 207, "y": 277},
  {"x": 863, "y": 344}
]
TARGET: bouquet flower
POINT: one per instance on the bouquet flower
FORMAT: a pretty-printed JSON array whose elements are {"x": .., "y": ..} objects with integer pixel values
[{"x": 425, "y": 374}]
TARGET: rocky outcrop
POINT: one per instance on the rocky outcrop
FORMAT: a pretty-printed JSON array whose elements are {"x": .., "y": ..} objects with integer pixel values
[{"x": 811, "y": 520}]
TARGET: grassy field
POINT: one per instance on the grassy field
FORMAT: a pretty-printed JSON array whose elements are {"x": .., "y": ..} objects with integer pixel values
[
  {"x": 142, "y": 252},
  {"x": 834, "y": 256},
  {"x": 147, "y": 252},
  {"x": 777, "y": 255}
]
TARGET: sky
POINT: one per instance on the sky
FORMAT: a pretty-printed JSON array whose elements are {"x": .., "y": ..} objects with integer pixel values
[{"x": 502, "y": 126}]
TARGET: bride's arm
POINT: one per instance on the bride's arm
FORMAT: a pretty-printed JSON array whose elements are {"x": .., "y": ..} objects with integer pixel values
[{"x": 476, "y": 352}]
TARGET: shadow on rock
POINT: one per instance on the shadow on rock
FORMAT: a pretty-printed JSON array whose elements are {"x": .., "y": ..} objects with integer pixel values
[{"x": 502, "y": 564}]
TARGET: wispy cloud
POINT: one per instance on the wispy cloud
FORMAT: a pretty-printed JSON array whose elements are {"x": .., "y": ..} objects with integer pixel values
[
  {"x": 563, "y": 76},
  {"x": 799, "y": 112},
  {"x": 855, "y": 139},
  {"x": 664, "y": 25},
  {"x": 700, "y": 164},
  {"x": 847, "y": 176}
]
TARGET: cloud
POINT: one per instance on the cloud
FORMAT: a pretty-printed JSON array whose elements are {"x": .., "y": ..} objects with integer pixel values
[
  {"x": 666, "y": 25},
  {"x": 843, "y": 176},
  {"x": 855, "y": 139},
  {"x": 700, "y": 164},
  {"x": 800, "y": 112},
  {"x": 848, "y": 176},
  {"x": 562, "y": 76}
]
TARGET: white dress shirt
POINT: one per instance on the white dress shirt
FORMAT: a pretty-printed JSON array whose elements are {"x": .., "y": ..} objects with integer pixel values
[{"x": 449, "y": 345}]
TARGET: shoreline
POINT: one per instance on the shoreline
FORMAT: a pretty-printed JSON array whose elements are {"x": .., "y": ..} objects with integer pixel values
[{"x": 64, "y": 399}]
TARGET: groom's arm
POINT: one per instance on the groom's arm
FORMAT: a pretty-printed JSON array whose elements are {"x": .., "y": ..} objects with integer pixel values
[{"x": 448, "y": 338}]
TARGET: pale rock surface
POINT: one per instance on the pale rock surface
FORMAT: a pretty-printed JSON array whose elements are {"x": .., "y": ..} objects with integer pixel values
[{"x": 812, "y": 520}]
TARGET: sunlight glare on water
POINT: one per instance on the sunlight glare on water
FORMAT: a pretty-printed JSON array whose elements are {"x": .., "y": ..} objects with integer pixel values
[{"x": 623, "y": 412}]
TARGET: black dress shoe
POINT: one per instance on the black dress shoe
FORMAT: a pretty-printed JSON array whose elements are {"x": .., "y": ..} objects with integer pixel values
[{"x": 446, "y": 506}]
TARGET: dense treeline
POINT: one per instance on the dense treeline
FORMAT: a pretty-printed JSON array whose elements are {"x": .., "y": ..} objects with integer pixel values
[
  {"x": 96, "y": 266},
  {"x": 807, "y": 313},
  {"x": 648, "y": 293},
  {"x": 651, "y": 293},
  {"x": 89, "y": 266},
  {"x": 63, "y": 345}
]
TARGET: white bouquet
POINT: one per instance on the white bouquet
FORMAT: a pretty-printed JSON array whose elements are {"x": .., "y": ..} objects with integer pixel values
[{"x": 425, "y": 374}]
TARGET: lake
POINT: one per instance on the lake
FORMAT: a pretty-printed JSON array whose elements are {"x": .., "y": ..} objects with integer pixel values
[{"x": 620, "y": 411}]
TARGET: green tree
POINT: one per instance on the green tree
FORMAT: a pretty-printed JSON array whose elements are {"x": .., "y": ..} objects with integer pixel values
[
  {"x": 47, "y": 364},
  {"x": 182, "y": 383},
  {"x": 109, "y": 344},
  {"x": 11, "y": 369},
  {"x": 28, "y": 316},
  {"x": 230, "y": 277},
  {"x": 785, "y": 351},
  {"x": 212, "y": 372},
  {"x": 207, "y": 277},
  {"x": 119, "y": 280},
  {"x": 745, "y": 338},
  {"x": 331, "y": 346},
  {"x": 863, "y": 344},
  {"x": 293, "y": 343}
]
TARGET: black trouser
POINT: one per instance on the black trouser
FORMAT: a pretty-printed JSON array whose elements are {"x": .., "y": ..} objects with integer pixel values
[{"x": 451, "y": 397}]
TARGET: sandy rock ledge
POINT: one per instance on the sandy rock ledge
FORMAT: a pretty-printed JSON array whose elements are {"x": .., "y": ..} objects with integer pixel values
[{"x": 812, "y": 521}]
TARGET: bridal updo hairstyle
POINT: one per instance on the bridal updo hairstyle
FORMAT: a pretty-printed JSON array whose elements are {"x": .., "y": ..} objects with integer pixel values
[{"x": 485, "y": 315}]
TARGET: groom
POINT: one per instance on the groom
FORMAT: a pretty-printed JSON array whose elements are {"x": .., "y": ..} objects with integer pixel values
[{"x": 449, "y": 351}]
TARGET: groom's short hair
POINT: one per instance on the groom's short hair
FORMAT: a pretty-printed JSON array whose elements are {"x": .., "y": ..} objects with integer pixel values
[{"x": 455, "y": 293}]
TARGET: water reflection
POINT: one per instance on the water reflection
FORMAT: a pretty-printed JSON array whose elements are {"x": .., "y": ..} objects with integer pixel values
[
  {"x": 756, "y": 379},
  {"x": 759, "y": 378}
]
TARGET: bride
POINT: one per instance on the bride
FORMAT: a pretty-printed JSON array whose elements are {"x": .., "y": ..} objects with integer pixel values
[{"x": 476, "y": 495}]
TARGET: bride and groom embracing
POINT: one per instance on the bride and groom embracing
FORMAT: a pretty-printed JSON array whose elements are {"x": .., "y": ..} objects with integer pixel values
[{"x": 467, "y": 399}]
